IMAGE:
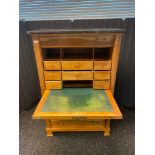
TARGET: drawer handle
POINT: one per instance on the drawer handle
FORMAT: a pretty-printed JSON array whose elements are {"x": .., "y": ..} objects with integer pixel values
[{"x": 79, "y": 118}]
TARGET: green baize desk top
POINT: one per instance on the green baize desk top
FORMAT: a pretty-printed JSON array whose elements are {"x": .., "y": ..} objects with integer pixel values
[{"x": 77, "y": 100}]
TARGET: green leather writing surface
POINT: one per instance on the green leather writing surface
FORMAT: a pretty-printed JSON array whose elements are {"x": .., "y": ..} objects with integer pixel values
[{"x": 77, "y": 100}]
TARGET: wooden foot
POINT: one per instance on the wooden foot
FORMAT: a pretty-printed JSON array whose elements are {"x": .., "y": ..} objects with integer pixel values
[
  {"x": 49, "y": 133},
  {"x": 107, "y": 128},
  {"x": 48, "y": 128},
  {"x": 106, "y": 133}
]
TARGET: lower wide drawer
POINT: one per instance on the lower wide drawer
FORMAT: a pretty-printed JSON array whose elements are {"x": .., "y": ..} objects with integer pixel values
[
  {"x": 76, "y": 122},
  {"x": 105, "y": 84},
  {"x": 77, "y": 75},
  {"x": 53, "y": 84},
  {"x": 52, "y": 75}
]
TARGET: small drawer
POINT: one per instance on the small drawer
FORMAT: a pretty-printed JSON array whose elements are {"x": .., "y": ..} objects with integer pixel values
[
  {"x": 105, "y": 40},
  {"x": 52, "y": 75},
  {"x": 77, "y": 65},
  {"x": 102, "y": 65},
  {"x": 52, "y": 65},
  {"x": 77, "y": 75},
  {"x": 105, "y": 84},
  {"x": 53, "y": 84},
  {"x": 101, "y": 75}
]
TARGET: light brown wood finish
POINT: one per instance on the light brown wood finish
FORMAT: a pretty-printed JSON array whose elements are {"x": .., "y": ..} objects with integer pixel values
[
  {"x": 115, "y": 114},
  {"x": 104, "y": 84},
  {"x": 48, "y": 128},
  {"x": 53, "y": 84},
  {"x": 104, "y": 78},
  {"x": 107, "y": 127},
  {"x": 52, "y": 65},
  {"x": 52, "y": 75},
  {"x": 105, "y": 40},
  {"x": 77, "y": 65},
  {"x": 77, "y": 122},
  {"x": 40, "y": 105},
  {"x": 102, "y": 65},
  {"x": 77, "y": 75},
  {"x": 115, "y": 58},
  {"x": 101, "y": 75},
  {"x": 39, "y": 62}
]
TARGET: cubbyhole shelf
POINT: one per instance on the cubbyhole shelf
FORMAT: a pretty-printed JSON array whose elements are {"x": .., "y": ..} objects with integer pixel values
[
  {"x": 51, "y": 53},
  {"x": 102, "y": 53},
  {"x": 78, "y": 84},
  {"x": 77, "y": 54}
]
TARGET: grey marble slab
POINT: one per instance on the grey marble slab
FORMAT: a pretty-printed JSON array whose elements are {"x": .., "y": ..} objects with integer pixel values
[{"x": 73, "y": 31}]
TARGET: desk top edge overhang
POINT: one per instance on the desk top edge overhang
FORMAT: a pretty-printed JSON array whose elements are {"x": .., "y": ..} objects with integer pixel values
[{"x": 75, "y": 31}]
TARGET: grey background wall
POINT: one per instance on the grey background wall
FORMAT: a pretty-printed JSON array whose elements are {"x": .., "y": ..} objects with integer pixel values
[{"x": 28, "y": 78}]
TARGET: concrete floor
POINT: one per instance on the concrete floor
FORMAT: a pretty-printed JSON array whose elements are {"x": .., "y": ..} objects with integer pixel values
[{"x": 33, "y": 139}]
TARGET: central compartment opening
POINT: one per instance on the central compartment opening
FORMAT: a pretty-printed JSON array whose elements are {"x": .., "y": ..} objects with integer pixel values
[
  {"x": 51, "y": 53},
  {"x": 77, "y": 53},
  {"x": 102, "y": 53},
  {"x": 78, "y": 84}
]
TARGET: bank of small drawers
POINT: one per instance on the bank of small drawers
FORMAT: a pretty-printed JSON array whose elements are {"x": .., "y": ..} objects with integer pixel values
[
  {"x": 102, "y": 74},
  {"x": 57, "y": 71}
]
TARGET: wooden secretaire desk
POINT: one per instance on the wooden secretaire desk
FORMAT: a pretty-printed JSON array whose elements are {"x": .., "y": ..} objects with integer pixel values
[{"x": 77, "y": 71}]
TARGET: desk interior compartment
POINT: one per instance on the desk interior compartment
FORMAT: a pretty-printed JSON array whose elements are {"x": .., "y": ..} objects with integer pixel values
[
  {"x": 51, "y": 53},
  {"x": 77, "y": 54},
  {"x": 78, "y": 84},
  {"x": 102, "y": 53}
]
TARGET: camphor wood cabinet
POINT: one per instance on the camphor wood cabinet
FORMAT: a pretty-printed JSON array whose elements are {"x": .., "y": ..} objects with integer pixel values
[{"x": 77, "y": 71}]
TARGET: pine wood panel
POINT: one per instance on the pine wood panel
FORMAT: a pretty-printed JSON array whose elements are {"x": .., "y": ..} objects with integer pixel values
[
  {"x": 77, "y": 125},
  {"x": 52, "y": 75},
  {"x": 101, "y": 75},
  {"x": 76, "y": 122},
  {"x": 105, "y": 84},
  {"x": 102, "y": 65},
  {"x": 53, "y": 84},
  {"x": 77, "y": 75},
  {"x": 77, "y": 65},
  {"x": 39, "y": 62},
  {"x": 52, "y": 65},
  {"x": 115, "y": 58},
  {"x": 106, "y": 40}
]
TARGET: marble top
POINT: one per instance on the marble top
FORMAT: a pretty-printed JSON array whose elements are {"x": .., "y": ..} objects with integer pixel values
[
  {"x": 70, "y": 31},
  {"x": 77, "y": 100}
]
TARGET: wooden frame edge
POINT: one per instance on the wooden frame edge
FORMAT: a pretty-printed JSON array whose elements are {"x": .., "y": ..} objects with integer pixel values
[
  {"x": 36, "y": 114},
  {"x": 114, "y": 104}
]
